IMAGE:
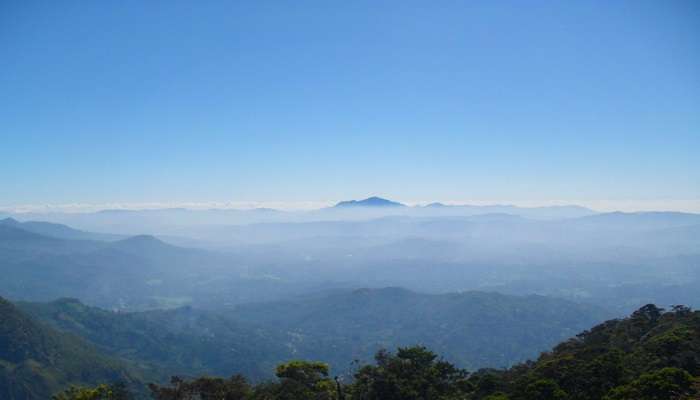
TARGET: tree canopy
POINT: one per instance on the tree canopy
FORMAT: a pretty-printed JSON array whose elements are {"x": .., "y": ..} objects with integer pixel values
[{"x": 652, "y": 355}]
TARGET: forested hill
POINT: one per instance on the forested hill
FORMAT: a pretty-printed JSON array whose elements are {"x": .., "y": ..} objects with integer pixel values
[
  {"x": 180, "y": 341},
  {"x": 651, "y": 355},
  {"x": 472, "y": 329},
  {"x": 36, "y": 361}
]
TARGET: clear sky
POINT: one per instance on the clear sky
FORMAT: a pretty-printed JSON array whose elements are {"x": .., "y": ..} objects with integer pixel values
[{"x": 288, "y": 101}]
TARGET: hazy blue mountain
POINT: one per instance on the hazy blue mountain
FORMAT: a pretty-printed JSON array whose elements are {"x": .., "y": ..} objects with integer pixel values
[
  {"x": 140, "y": 272},
  {"x": 640, "y": 220},
  {"x": 369, "y": 202},
  {"x": 10, "y": 231},
  {"x": 160, "y": 222},
  {"x": 18, "y": 244},
  {"x": 145, "y": 245},
  {"x": 545, "y": 212},
  {"x": 59, "y": 231},
  {"x": 181, "y": 223},
  {"x": 593, "y": 259}
]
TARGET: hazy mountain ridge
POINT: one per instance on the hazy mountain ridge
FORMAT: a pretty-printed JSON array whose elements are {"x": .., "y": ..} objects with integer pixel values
[
  {"x": 169, "y": 221},
  {"x": 585, "y": 259},
  {"x": 59, "y": 231},
  {"x": 617, "y": 261},
  {"x": 369, "y": 202}
]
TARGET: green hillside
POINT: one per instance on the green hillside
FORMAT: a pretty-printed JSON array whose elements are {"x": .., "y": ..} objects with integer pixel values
[
  {"x": 472, "y": 329},
  {"x": 36, "y": 361},
  {"x": 180, "y": 341},
  {"x": 649, "y": 356},
  {"x": 638, "y": 357}
]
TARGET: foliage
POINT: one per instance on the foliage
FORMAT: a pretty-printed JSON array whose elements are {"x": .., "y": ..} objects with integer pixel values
[
  {"x": 475, "y": 329},
  {"x": 175, "y": 341},
  {"x": 412, "y": 373},
  {"x": 667, "y": 383},
  {"x": 298, "y": 380},
  {"x": 37, "y": 361},
  {"x": 117, "y": 391},
  {"x": 652, "y": 355},
  {"x": 304, "y": 380},
  {"x": 544, "y": 389},
  {"x": 203, "y": 388}
]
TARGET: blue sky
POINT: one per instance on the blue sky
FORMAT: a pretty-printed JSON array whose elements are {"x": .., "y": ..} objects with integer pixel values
[{"x": 170, "y": 101}]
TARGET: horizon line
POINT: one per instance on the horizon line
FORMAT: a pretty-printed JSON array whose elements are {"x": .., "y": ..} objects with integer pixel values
[{"x": 669, "y": 205}]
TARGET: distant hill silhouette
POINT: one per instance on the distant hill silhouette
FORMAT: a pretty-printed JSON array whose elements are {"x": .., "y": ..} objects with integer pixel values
[
  {"x": 59, "y": 231},
  {"x": 369, "y": 202},
  {"x": 11, "y": 231},
  {"x": 641, "y": 220},
  {"x": 143, "y": 244}
]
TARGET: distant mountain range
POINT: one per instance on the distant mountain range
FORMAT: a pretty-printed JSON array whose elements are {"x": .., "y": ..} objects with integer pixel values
[
  {"x": 59, "y": 231},
  {"x": 178, "y": 221},
  {"x": 620, "y": 259},
  {"x": 545, "y": 211}
]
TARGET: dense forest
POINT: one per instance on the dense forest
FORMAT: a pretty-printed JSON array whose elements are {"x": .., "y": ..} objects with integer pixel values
[
  {"x": 475, "y": 329},
  {"x": 651, "y": 355},
  {"x": 36, "y": 361}
]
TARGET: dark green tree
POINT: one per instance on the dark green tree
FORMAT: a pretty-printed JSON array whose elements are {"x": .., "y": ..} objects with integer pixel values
[
  {"x": 544, "y": 389},
  {"x": 203, "y": 388},
  {"x": 664, "y": 384},
  {"x": 413, "y": 373},
  {"x": 117, "y": 391},
  {"x": 304, "y": 380}
]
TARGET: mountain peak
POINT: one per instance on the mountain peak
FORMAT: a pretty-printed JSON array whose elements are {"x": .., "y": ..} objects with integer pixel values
[
  {"x": 142, "y": 239},
  {"x": 140, "y": 243},
  {"x": 384, "y": 291},
  {"x": 437, "y": 205},
  {"x": 143, "y": 246},
  {"x": 9, "y": 221},
  {"x": 373, "y": 201}
]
